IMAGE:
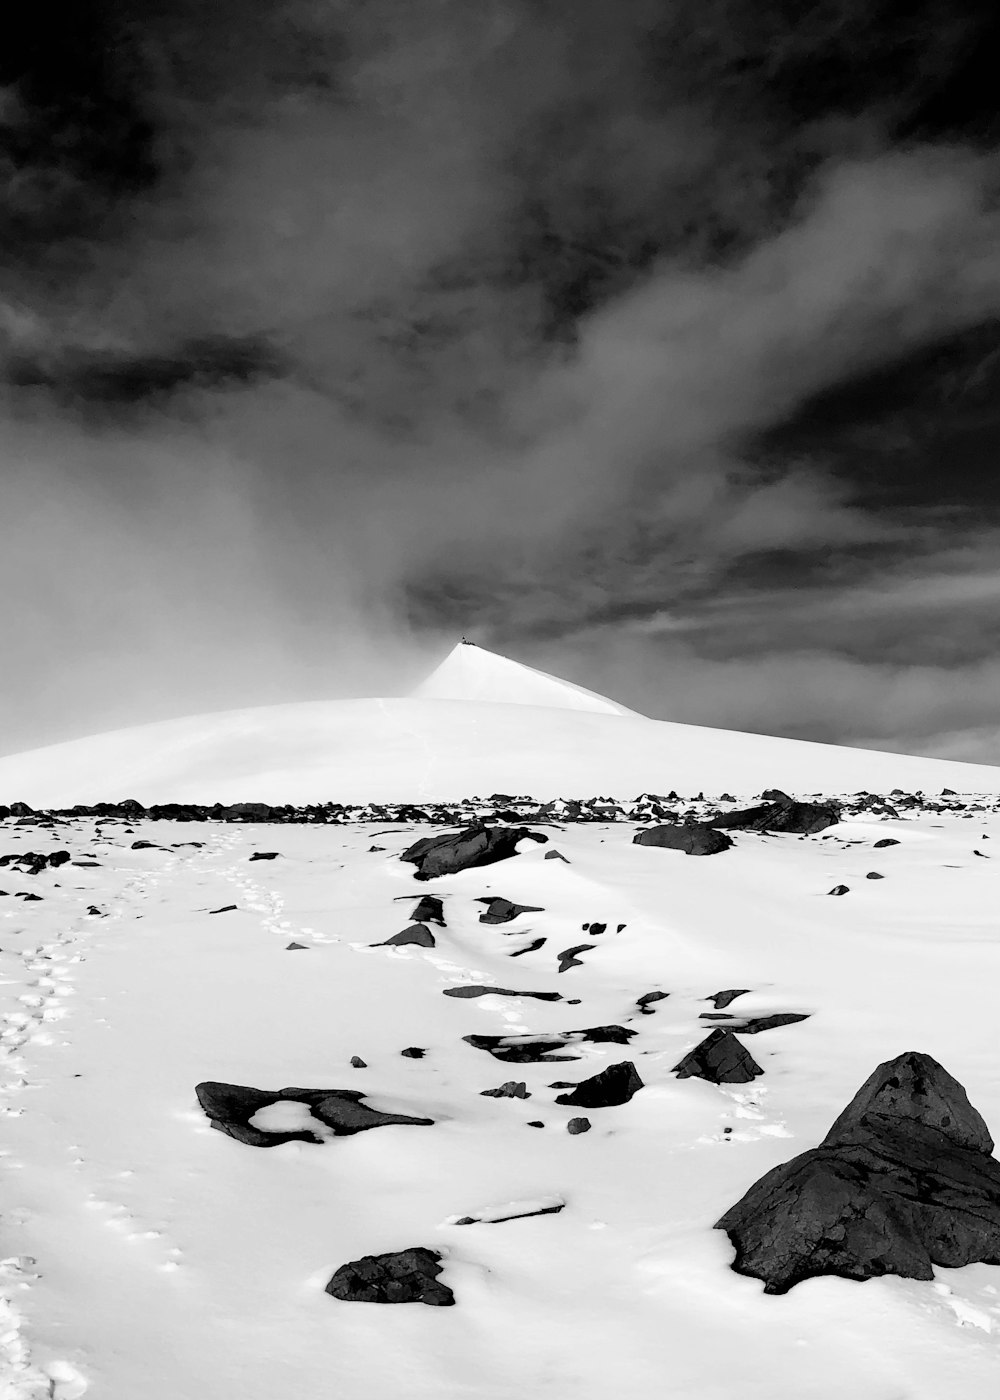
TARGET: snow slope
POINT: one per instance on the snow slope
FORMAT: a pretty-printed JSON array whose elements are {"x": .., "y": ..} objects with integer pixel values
[
  {"x": 419, "y": 749},
  {"x": 147, "y": 1255}
]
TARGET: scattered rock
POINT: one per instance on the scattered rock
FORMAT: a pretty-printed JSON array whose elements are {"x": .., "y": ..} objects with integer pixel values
[
  {"x": 752, "y": 1025},
  {"x": 693, "y": 839},
  {"x": 295, "y": 947},
  {"x": 885, "y": 841},
  {"x": 535, "y": 1123},
  {"x": 257, "y": 855},
  {"x": 419, "y": 934},
  {"x": 557, "y": 855},
  {"x": 409, "y": 1276},
  {"x": 231, "y": 1106},
  {"x": 513, "y": 1210},
  {"x": 413, "y": 1052},
  {"x": 472, "y": 991},
  {"x": 874, "y": 875},
  {"x": 532, "y": 947},
  {"x": 647, "y": 998},
  {"x": 357, "y": 1062},
  {"x": 839, "y": 889},
  {"x": 512, "y": 1089},
  {"x": 429, "y": 910},
  {"x": 721, "y": 1000},
  {"x": 522, "y": 1049},
  {"x": 476, "y": 845},
  {"x": 904, "y": 1180},
  {"x": 226, "y": 908},
  {"x": 614, "y": 1085},
  {"x": 502, "y": 911},
  {"x": 567, "y": 958},
  {"x": 578, "y": 1125},
  {"x": 719, "y": 1058}
]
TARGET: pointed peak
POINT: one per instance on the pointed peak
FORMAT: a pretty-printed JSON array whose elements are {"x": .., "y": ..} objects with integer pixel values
[{"x": 470, "y": 672}]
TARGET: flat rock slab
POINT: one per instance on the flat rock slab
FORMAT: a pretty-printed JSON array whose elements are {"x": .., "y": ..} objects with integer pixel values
[
  {"x": 409, "y": 1276},
  {"x": 470, "y": 992},
  {"x": 752, "y": 1025},
  {"x": 258, "y": 855},
  {"x": 720, "y": 1000},
  {"x": 721, "y": 1059},
  {"x": 512, "y": 1210},
  {"x": 502, "y": 911},
  {"x": 525, "y": 1050},
  {"x": 694, "y": 839},
  {"x": 568, "y": 957},
  {"x": 231, "y": 1106},
  {"x": 429, "y": 910},
  {"x": 614, "y": 1085},
  {"x": 905, "y": 1179},
  {"x": 476, "y": 845}
]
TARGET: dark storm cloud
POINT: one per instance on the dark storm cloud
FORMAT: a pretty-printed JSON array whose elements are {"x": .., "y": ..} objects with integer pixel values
[{"x": 330, "y": 327}]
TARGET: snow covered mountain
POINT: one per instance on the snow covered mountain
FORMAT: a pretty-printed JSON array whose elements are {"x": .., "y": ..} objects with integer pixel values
[{"x": 479, "y": 724}]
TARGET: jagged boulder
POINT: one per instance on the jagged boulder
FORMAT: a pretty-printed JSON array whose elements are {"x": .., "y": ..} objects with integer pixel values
[
  {"x": 905, "y": 1179},
  {"x": 473, "y": 846},
  {"x": 719, "y": 1058},
  {"x": 231, "y": 1106},
  {"x": 614, "y": 1085},
  {"x": 694, "y": 839},
  {"x": 408, "y": 1276}
]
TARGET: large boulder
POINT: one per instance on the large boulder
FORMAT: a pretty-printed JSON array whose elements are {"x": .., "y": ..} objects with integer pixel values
[
  {"x": 719, "y": 1058},
  {"x": 231, "y": 1106},
  {"x": 614, "y": 1085},
  {"x": 694, "y": 839},
  {"x": 475, "y": 845},
  {"x": 905, "y": 1179},
  {"x": 408, "y": 1276},
  {"x": 800, "y": 818}
]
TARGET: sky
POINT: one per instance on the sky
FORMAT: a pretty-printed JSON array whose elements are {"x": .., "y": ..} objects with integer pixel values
[{"x": 655, "y": 343}]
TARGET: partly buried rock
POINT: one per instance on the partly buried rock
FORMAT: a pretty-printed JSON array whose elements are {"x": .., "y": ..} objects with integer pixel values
[
  {"x": 512, "y": 1089},
  {"x": 647, "y": 998},
  {"x": 568, "y": 957},
  {"x": 419, "y": 934},
  {"x": 799, "y": 818},
  {"x": 721, "y": 1059},
  {"x": 612, "y": 1086},
  {"x": 473, "y": 846},
  {"x": 694, "y": 839},
  {"x": 904, "y": 1179},
  {"x": 721, "y": 1000},
  {"x": 470, "y": 991},
  {"x": 231, "y": 1106},
  {"x": 522, "y": 1049},
  {"x": 409, "y": 1276},
  {"x": 429, "y": 910},
  {"x": 753, "y": 1025},
  {"x": 575, "y": 1126},
  {"x": 501, "y": 911},
  {"x": 257, "y": 855}
]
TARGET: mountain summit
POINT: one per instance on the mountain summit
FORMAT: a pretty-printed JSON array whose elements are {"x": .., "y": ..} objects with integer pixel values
[{"x": 471, "y": 673}]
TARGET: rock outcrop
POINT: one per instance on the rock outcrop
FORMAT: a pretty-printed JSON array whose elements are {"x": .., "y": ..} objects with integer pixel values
[
  {"x": 905, "y": 1179},
  {"x": 694, "y": 839},
  {"x": 473, "y": 846}
]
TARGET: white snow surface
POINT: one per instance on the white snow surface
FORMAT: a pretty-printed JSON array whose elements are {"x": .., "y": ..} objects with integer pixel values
[
  {"x": 541, "y": 739},
  {"x": 146, "y": 1254}
]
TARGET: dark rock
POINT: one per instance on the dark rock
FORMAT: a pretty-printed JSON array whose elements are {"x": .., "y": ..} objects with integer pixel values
[
  {"x": 93, "y": 910},
  {"x": 249, "y": 812},
  {"x": 470, "y": 991},
  {"x": 522, "y": 1050},
  {"x": 614, "y": 1085},
  {"x": 231, "y": 1106},
  {"x": 532, "y": 947},
  {"x": 295, "y": 947},
  {"x": 429, "y": 910},
  {"x": 752, "y": 1025},
  {"x": 799, "y": 818},
  {"x": 693, "y": 840},
  {"x": 146, "y": 846},
  {"x": 21, "y": 895},
  {"x": 595, "y": 929},
  {"x": 874, "y": 875},
  {"x": 257, "y": 855},
  {"x": 225, "y": 909},
  {"x": 476, "y": 845},
  {"x": 413, "y": 1052},
  {"x": 357, "y": 1062},
  {"x": 885, "y": 841},
  {"x": 535, "y": 1123},
  {"x": 419, "y": 934},
  {"x": 409, "y": 1276},
  {"x": 839, "y": 889},
  {"x": 512, "y": 1089},
  {"x": 606, "y": 1035},
  {"x": 578, "y": 1125},
  {"x": 721, "y": 1059},
  {"x": 568, "y": 958},
  {"x": 722, "y": 999},
  {"x": 904, "y": 1180},
  {"x": 557, "y": 855},
  {"x": 502, "y": 911},
  {"x": 648, "y": 997},
  {"x": 773, "y": 795}
]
